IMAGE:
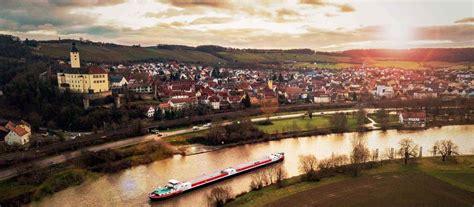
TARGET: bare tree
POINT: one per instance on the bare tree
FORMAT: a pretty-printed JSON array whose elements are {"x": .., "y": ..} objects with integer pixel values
[
  {"x": 330, "y": 164},
  {"x": 407, "y": 149},
  {"x": 388, "y": 154},
  {"x": 259, "y": 180},
  {"x": 219, "y": 196},
  {"x": 308, "y": 165},
  {"x": 359, "y": 155},
  {"x": 280, "y": 175},
  {"x": 446, "y": 148}
]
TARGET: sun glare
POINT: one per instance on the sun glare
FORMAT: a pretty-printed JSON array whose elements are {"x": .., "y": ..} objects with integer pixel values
[{"x": 398, "y": 35}]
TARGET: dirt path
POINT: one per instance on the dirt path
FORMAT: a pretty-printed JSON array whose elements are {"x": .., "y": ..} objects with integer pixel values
[{"x": 391, "y": 189}]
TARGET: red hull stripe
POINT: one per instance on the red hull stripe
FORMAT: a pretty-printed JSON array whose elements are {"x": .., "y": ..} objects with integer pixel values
[
  {"x": 209, "y": 179},
  {"x": 251, "y": 166}
]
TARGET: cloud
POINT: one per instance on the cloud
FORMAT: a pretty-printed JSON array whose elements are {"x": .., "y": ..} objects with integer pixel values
[
  {"x": 461, "y": 32},
  {"x": 313, "y": 2},
  {"x": 192, "y": 3},
  {"x": 465, "y": 20},
  {"x": 84, "y": 3},
  {"x": 321, "y": 3},
  {"x": 211, "y": 20},
  {"x": 346, "y": 8}
]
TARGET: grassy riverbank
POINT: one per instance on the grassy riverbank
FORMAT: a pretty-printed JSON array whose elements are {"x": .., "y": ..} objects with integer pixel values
[
  {"x": 457, "y": 174},
  {"x": 38, "y": 184}
]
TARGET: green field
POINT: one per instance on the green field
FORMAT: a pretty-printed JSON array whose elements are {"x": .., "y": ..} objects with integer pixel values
[
  {"x": 296, "y": 124},
  {"x": 427, "y": 180},
  {"x": 300, "y": 124}
]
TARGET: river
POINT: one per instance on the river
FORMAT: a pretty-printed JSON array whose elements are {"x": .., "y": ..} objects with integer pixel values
[{"x": 130, "y": 187}]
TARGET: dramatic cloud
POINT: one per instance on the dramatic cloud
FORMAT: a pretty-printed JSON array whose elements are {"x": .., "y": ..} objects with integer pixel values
[
  {"x": 465, "y": 20},
  {"x": 316, "y": 24}
]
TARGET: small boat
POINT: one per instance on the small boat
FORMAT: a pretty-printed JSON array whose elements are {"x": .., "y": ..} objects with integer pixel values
[{"x": 175, "y": 187}]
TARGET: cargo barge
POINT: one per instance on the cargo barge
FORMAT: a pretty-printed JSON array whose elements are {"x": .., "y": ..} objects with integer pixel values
[{"x": 175, "y": 187}]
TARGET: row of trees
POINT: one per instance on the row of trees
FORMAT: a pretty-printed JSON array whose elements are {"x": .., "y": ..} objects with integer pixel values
[
  {"x": 360, "y": 156},
  {"x": 237, "y": 131}
]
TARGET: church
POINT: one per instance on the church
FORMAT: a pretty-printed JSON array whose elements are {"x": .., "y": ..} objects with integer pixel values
[{"x": 82, "y": 79}]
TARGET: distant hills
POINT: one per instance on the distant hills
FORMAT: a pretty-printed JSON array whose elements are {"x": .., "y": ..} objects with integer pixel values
[{"x": 212, "y": 54}]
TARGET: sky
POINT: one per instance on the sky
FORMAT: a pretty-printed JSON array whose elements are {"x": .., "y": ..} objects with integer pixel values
[{"x": 323, "y": 25}]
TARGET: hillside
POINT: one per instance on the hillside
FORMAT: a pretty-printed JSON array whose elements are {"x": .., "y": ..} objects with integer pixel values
[
  {"x": 116, "y": 53},
  {"x": 423, "y": 58}
]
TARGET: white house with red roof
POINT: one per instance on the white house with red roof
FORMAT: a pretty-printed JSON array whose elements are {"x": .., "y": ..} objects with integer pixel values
[
  {"x": 17, "y": 133},
  {"x": 413, "y": 118}
]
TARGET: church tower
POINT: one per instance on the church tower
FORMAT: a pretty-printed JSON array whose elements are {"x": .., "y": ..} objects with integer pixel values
[{"x": 74, "y": 54}]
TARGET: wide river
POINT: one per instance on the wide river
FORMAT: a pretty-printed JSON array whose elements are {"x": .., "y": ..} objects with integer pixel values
[{"x": 130, "y": 187}]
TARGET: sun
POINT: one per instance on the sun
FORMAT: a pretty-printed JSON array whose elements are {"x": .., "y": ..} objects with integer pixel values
[{"x": 398, "y": 35}]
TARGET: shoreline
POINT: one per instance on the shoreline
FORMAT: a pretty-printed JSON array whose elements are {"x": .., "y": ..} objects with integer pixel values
[{"x": 296, "y": 134}]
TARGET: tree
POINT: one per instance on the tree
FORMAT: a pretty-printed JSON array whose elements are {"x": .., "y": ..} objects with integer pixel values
[
  {"x": 407, "y": 149},
  {"x": 359, "y": 155},
  {"x": 382, "y": 117},
  {"x": 259, "y": 180},
  {"x": 308, "y": 165},
  {"x": 219, "y": 196},
  {"x": 339, "y": 122},
  {"x": 280, "y": 175},
  {"x": 361, "y": 116},
  {"x": 446, "y": 148},
  {"x": 246, "y": 101}
]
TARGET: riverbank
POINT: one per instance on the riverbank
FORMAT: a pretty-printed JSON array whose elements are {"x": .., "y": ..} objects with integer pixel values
[
  {"x": 35, "y": 185},
  {"x": 186, "y": 144},
  {"x": 452, "y": 179}
]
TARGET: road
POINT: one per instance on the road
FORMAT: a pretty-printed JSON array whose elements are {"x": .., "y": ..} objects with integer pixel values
[{"x": 56, "y": 159}]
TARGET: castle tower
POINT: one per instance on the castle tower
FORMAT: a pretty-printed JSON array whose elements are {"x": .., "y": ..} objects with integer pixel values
[
  {"x": 74, "y": 54},
  {"x": 270, "y": 84}
]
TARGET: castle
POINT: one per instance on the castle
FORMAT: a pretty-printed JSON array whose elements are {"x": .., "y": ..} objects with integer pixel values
[{"x": 77, "y": 79}]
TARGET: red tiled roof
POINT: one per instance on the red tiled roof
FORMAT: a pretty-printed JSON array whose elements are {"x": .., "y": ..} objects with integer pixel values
[
  {"x": 96, "y": 70},
  {"x": 413, "y": 114}
]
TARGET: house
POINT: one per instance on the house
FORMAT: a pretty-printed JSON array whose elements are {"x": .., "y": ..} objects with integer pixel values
[
  {"x": 413, "y": 118},
  {"x": 150, "y": 112},
  {"x": 321, "y": 98},
  {"x": 215, "y": 102},
  {"x": 180, "y": 103},
  {"x": 293, "y": 93},
  {"x": 117, "y": 81},
  {"x": 383, "y": 91},
  {"x": 141, "y": 87},
  {"x": 17, "y": 133}
]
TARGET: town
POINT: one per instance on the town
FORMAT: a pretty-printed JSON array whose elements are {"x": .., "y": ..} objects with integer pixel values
[{"x": 224, "y": 103}]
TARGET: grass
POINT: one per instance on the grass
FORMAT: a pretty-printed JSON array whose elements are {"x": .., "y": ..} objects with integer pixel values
[
  {"x": 296, "y": 124},
  {"x": 459, "y": 174},
  {"x": 272, "y": 193},
  {"x": 299, "y": 124},
  {"x": 60, "y": 181},
  {"x": 47, "y": 183},
  {"x": 182, "y": 139}
]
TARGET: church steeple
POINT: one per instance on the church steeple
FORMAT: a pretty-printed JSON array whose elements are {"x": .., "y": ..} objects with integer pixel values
[{"x": 74, "y": 55}]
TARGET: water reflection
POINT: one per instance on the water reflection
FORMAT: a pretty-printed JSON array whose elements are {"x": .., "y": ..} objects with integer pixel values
[{"x": 130, "y": 187}]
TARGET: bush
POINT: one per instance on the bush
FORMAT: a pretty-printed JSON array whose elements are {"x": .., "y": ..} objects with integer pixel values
[{"x": 59, "y": 182}]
